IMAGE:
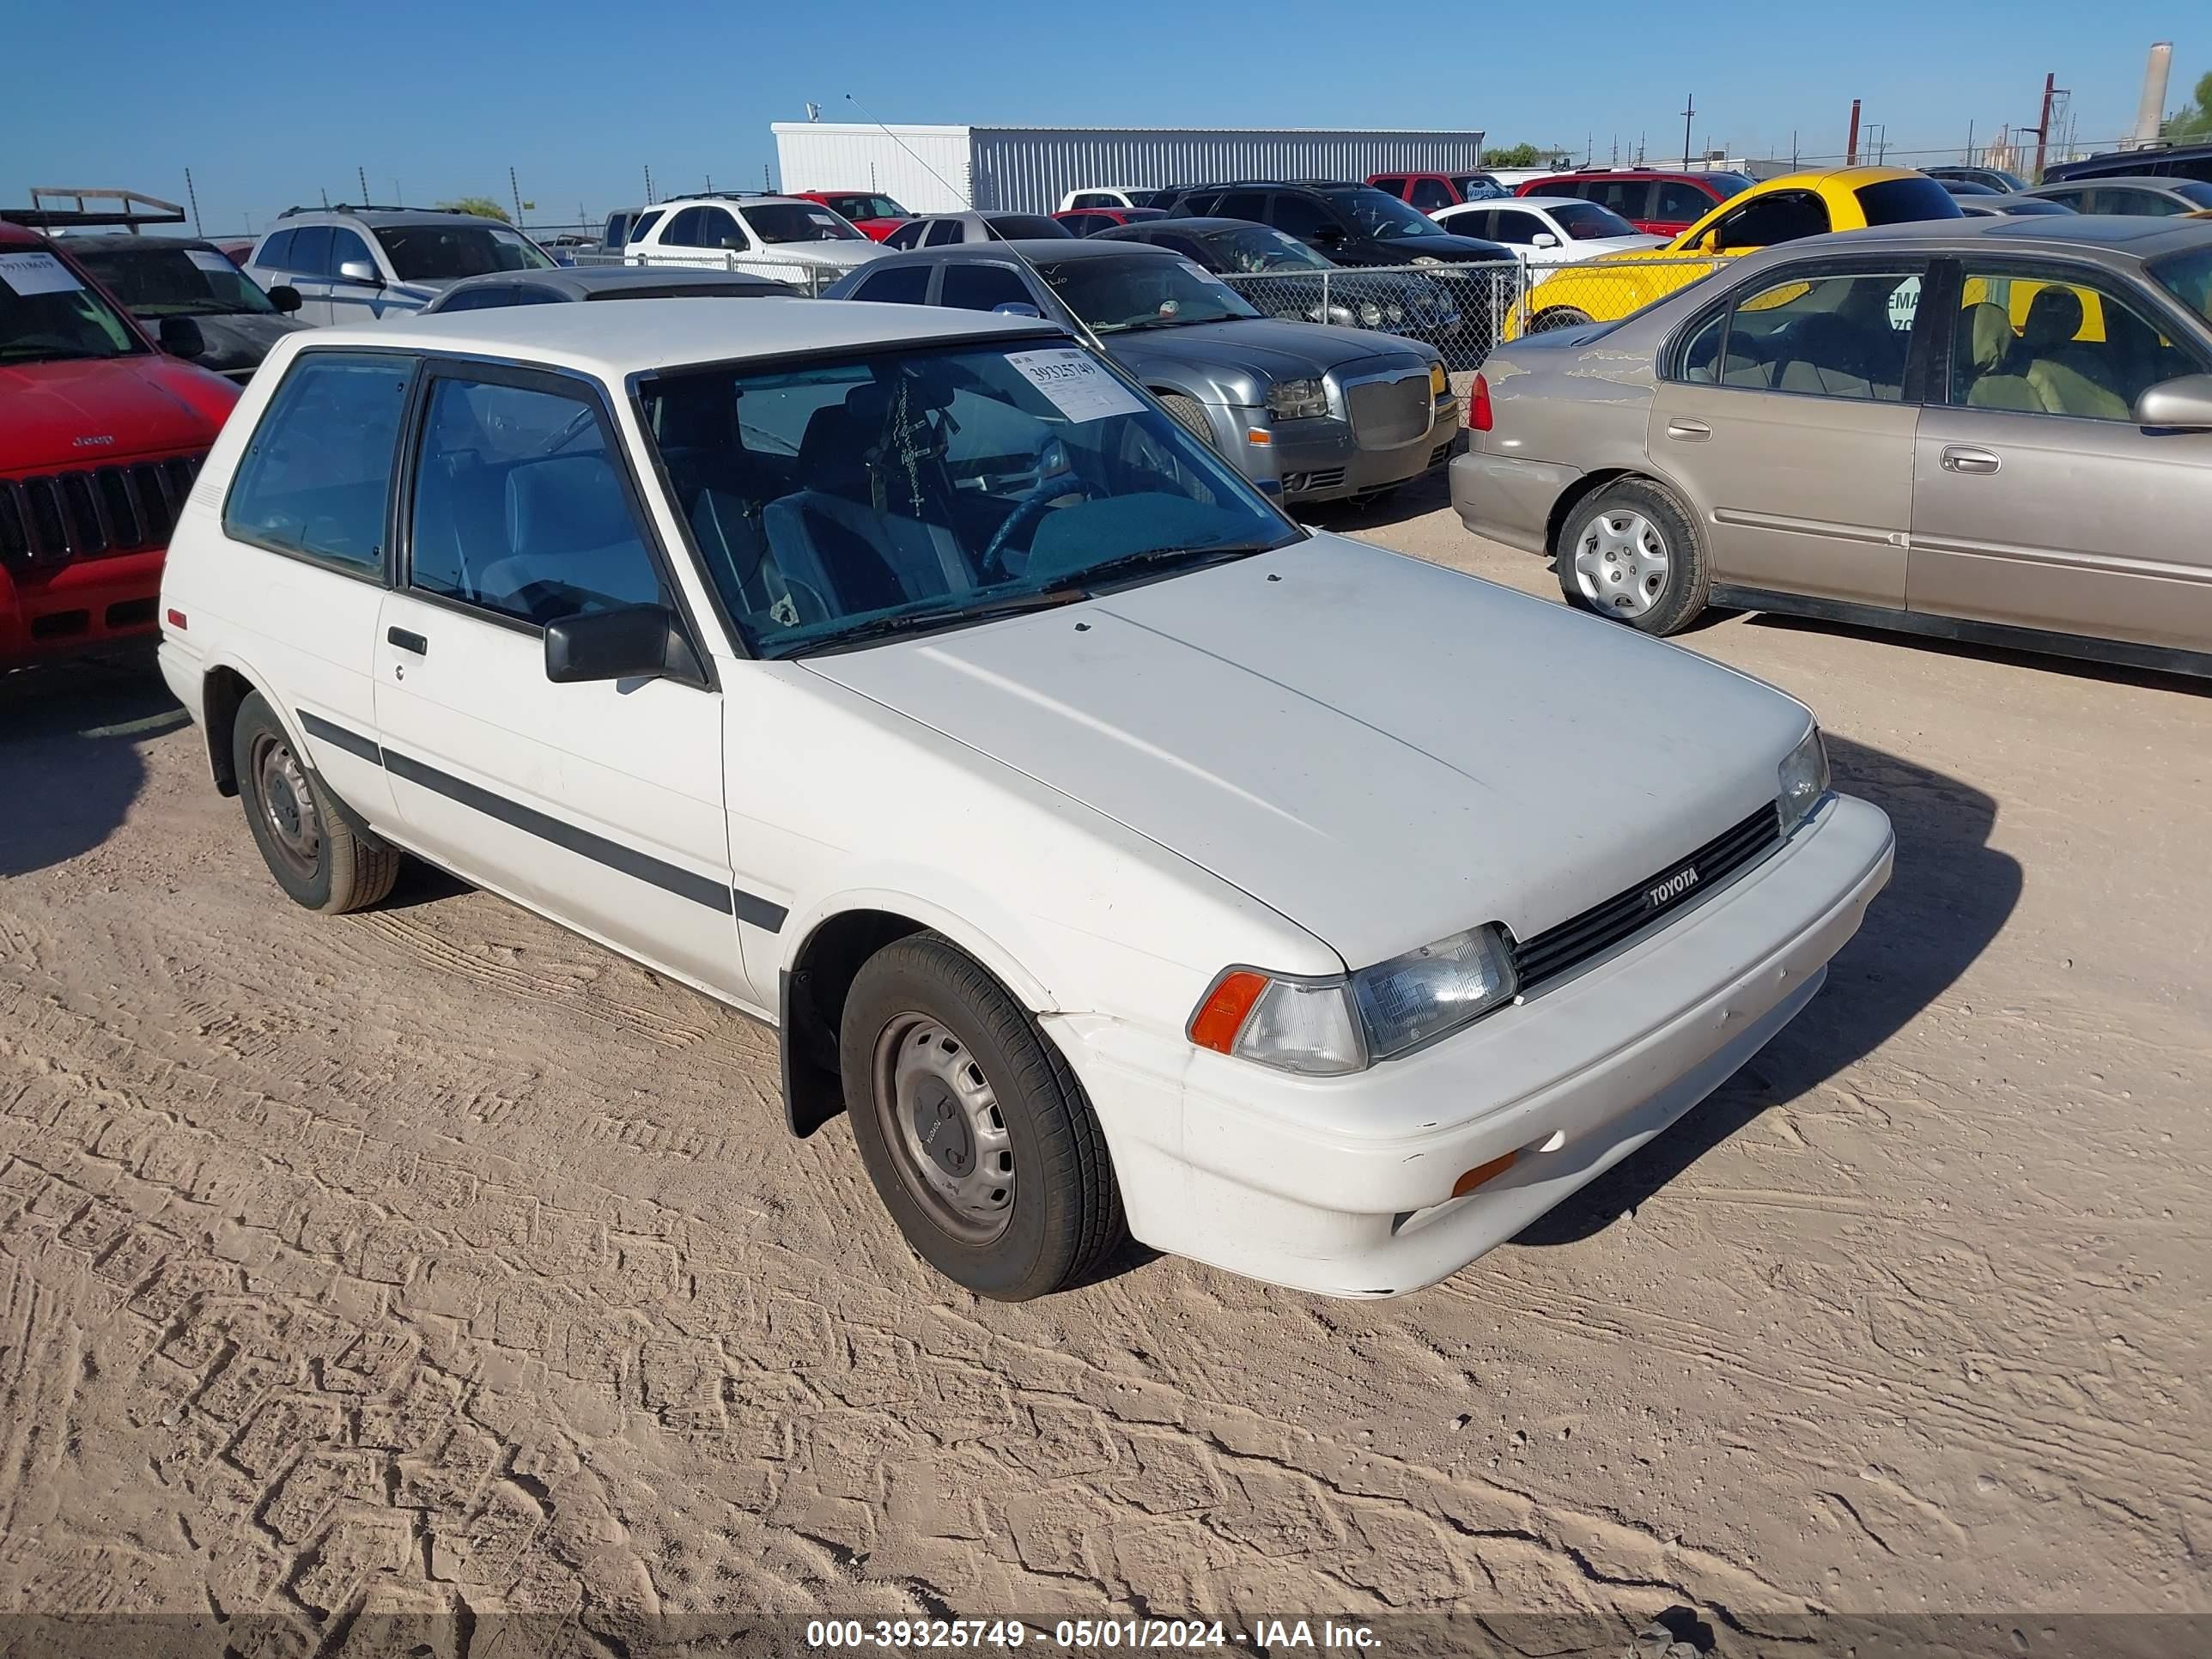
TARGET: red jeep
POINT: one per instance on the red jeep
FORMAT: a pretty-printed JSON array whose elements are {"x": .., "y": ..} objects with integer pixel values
[
  {"x": 101, "y": 434},
  {"x": 1658, "y": 203},
  {"x": 873, "y": 214},
  {"x": 1430, "y": 191}
]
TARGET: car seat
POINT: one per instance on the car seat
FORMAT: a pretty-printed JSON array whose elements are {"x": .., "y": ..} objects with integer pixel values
[
  {"x": 568, "y": 524},
  {"x": 856, "y": 559},
  {"x": 2066, "y": 380},
  {"x": 719, "y": 486},
  {"x": 1986, "y": 345}
]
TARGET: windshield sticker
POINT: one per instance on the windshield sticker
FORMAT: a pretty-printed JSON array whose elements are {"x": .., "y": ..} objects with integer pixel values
[
  {"x": 208, "y": 259},
  {"x": 1078, "y": 386},
  {"x": 26, "y": 274}
]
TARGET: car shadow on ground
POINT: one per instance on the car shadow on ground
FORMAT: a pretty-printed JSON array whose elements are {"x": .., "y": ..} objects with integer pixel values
[
  {"x": 2043, "y": 662},
  {"x": 1430, "y": 493},
  {"x": 69, "y": 761},
  {"x": 1950, "y": 896}
]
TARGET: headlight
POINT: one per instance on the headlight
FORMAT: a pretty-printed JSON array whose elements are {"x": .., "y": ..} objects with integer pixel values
[
  {"x": 1804, "y": 780},
  {"x": 1426, "y": 259},
  {"x": 1370, "y": 314},
  {"x": 1292, "y": 400},
  {"x": 1439, "y": 385},
  {"x": 1394, "y": 313},
  {"x": 1328, "y": 1027}
]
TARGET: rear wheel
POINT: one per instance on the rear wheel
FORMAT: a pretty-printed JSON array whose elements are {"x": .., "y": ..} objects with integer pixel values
[
  {"x": 1189, "y": 414},
  {"x": 308, "y": 845},
  {"x": 1631, "y": 552},
  {"x": 976, "y": 1134},
  {"x": 1558, "y": 317}
]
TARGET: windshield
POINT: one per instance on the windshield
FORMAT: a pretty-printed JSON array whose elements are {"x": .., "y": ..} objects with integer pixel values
[
  {"x": 1255, "y": 248},
  {"x": 1377, "y": 214},
  {"x": 447, "y": 252},
  {"x": 799, "y": 222},
  {"x": 1141, "y": 292},
  {"x": 2188, "y": 277},
  {"x": 2189, "y": 188},
  {"x": 867, "y": 206},
  {"x": 1904, "y": 201},
  {"x": 46, "y": 314},
  {"x": 155, "y": 281},
  {"x": 1586, "y": 221},
  {"x": 908, "y": 490}
]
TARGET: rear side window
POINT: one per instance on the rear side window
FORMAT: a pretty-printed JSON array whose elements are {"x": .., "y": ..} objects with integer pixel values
[
  {"x": 519, "y": 508},
  {"x": 1903, "y": 201},
  {"x": 945, "y": 231},
  {"x": 314, "y": 478},
  {"x": 902, "y": 285},
  {"x": 275, "y": 249},
  {"x": 311, "y": 250}
]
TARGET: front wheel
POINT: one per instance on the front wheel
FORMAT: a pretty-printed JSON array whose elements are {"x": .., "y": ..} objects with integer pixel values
[
  {"x": 1632, "y": 552},
  {"x": 976, "y": 1134},
  {"x": 1189, "y": 414},
  {"x": 1558, "y": 317}
]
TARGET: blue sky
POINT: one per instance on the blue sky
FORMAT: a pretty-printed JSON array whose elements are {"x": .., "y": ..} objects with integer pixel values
[{"x": 270, "y": 105}]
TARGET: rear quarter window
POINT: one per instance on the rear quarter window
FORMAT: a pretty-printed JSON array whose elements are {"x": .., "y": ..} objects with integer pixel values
[
  {"x": 317, "y": 469},
  {"x": 1903, "y": 201}
]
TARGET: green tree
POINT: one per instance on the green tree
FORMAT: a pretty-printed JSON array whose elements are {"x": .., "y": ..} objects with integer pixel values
[
  {"x": 2194, "y": 119},
  {"x": 483, "y": 206},
  {"x": 1514, "y": 155}
]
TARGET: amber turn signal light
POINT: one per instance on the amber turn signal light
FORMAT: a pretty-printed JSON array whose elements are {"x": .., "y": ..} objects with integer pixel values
[
  {"x": 1482, "y": 1172},
  {"x": 1216, "y": 1024}
]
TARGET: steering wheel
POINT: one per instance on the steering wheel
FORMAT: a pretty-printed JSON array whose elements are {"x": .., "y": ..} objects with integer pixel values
[{"x": 1056, "y": 477}]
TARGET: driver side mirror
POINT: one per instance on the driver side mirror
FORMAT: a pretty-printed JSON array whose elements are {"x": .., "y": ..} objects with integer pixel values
[
  {"x": 1543, "y": 238},
  {"x": 360, "y": 270},
  {"x": 2184, "y": 404},
  {"x": 181, "y": 337},
  {"x": 631, "y": 642},
  {"x": 285, "y": 298}
]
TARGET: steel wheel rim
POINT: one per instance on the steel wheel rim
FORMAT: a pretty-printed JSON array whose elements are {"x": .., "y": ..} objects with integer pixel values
[
  {"x": 1621, "y": 564},
  {"x": 939, "y": 1115},
  {"x": 287, "y": 803}
]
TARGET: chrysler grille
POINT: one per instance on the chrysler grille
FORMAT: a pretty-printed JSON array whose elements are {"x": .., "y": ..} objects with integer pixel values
[
  {"x": 1599, "y": 928},
  {"x": 126, "y": 508},
  {"x": 1387, "y": 413}
]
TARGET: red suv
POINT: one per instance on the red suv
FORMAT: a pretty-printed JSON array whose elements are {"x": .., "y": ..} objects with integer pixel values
[
  {"x": 100, "y": 436},
  {"x": 1431, "y": 191},
  {"x": 874, "y": 215},
  {"x": 1657, "y": 204}
]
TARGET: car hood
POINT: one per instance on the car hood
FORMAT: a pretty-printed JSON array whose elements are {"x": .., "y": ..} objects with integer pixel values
[
  {"x": 1451, "y": 246},
  {"x": 1280, "y": 350},
  {"x": 843, "y": 255},
  {"x": 240, "y": 339},
  {"x": 1382, "y": 750},
  {"x": 1598, "y": 246},
  {"x": 82, "y": 412}
]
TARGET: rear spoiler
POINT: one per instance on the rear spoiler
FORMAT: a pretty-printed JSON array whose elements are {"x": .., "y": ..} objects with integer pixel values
[{"x": 132, "y": 211}]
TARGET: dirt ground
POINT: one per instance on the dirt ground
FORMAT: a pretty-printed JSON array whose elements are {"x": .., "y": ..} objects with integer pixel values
[{"x": 432, "y": 1259}]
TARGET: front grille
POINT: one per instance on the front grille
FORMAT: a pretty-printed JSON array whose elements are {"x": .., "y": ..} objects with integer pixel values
[
  {"x": 82, "y": 514},
  {"x": 1599, "y": 928},
  {"x": 1327, "y": 477},
  {"x": 1387, "y": 413}
]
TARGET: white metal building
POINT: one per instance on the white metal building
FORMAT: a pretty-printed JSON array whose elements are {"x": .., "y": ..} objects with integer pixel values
[{"x": 938, "y": 169}]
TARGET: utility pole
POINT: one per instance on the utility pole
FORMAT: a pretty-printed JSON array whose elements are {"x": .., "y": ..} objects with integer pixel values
[
  {"x": 1689, "y": 110},
  {"x": 1970, "y": 144},
  {"x": 648, "y": 183},
  {"x": 1851, "y": 144},
  {"x": 192, "y": 196},
  {"x": 362, "y": 174},
  {"x": 2043, "y": 123},
  {"x": 515, "y": 190}
]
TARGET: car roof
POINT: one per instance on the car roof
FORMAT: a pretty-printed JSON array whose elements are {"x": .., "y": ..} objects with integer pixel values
[
  {"x": 295, "y": 217},
  {"x": 737, "y": 198},
  {"x": 613, "y": 342},
  {"x": 1527, "y": 202},
  {"x": 2098, "y": 180},
  {"x": 15, "y": 235},
  {"x": 582, "y": 281},
  {"x": 2137, "y": 236},
  {"x": 123, "y": 240},
  {"x": 1197, "y": 224},
  {"x": 1057, "y": 250}
]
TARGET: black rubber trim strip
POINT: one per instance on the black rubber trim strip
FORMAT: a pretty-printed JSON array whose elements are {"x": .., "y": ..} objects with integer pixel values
[
  {"x": 338, "y": 738},
  {"x": 701, "y": 889},
  {"x": 758, "y": 911}
]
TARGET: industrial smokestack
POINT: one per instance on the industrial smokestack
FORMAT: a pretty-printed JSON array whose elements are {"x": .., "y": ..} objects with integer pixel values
[{"x": 2150, "y": 114}]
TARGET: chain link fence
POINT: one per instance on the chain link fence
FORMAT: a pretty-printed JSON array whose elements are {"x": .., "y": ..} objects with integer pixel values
[{"x": 1465, "y": 311}]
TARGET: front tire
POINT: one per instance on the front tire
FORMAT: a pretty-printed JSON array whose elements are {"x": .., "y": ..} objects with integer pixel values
[
  {"x": 975, "y": 1132},
  {"x": 305, "y": 841},
  {"x": 1189, "y": 414},
  {"x": 1632, "y": 553}
]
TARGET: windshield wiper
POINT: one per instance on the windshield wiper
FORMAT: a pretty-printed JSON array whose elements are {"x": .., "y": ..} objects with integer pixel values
[
  {"x": 1013, "y": 604},
  {"x": 1220, "y": 554}
]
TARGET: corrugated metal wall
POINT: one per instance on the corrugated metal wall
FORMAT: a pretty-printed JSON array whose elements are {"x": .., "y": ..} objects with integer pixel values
[
  {"x": 1030, "y": 169},
  {"x": 847, "y": 156}
]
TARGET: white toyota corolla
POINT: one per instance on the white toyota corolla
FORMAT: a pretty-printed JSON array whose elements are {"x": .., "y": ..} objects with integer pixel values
[{"x": 1119, "y": 856}]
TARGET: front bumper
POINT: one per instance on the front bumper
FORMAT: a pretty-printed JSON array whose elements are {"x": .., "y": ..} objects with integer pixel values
[
  {"x": 83, "y": 605},
  {"x": 1322, "y": 460},
  {"x": 1508, "y": 499},
  {"x": 1343, "y": 1185}
]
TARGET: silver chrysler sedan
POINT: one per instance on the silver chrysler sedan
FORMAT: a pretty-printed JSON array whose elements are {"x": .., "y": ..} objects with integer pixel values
[{"x": 1997, "y": 429}]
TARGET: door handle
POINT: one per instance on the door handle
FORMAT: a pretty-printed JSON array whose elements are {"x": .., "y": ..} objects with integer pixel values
[
  {"x": 407, "y": 642},
  {"x": 1957, "y": 457},
  {"x": 1690, "y": 432}
]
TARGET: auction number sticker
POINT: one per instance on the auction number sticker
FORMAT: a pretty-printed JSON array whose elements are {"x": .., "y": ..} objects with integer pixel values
[
  {"x": 208, "y": 259},
  {"x": 1075, "y": 383},
  {"x": 36, "y": 273}
]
